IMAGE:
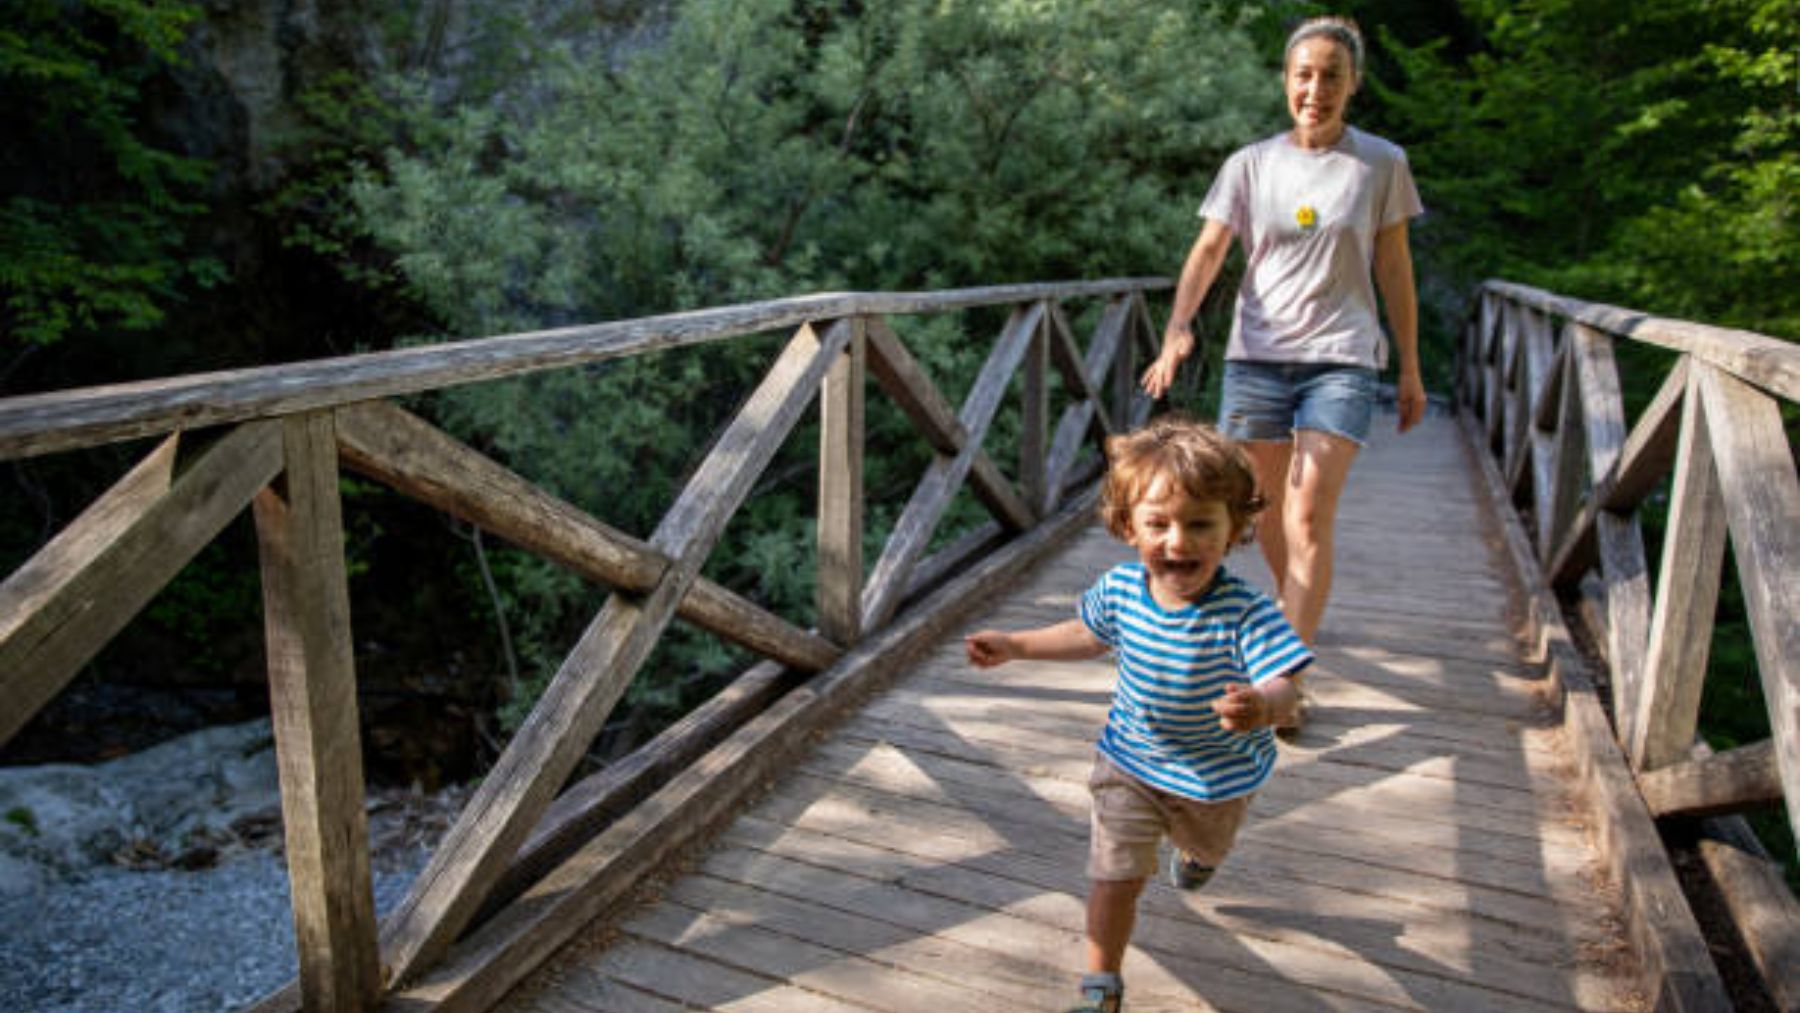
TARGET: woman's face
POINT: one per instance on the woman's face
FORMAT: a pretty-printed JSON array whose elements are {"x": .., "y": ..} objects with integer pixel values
[{"x": 1320, "y": 80}]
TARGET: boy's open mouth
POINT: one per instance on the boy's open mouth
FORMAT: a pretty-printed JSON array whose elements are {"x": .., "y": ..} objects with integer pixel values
[{"x": 1182, "y": 566}]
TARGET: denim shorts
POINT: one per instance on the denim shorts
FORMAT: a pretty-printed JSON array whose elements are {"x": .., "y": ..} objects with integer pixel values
[{"x": 1270, "y": 400}]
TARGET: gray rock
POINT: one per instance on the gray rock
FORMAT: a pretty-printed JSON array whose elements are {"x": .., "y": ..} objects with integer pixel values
[{"x": 157, "y": 804}]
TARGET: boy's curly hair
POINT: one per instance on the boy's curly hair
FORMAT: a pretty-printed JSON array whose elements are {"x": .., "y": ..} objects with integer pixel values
[{"x": 1207, "y": 464}]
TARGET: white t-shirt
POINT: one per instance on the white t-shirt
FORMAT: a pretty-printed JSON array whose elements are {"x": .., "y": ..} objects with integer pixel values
[{"x": 1308, "y": 221}]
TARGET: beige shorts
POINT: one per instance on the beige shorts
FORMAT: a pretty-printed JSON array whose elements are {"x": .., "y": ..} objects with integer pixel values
[{"x": 1130, "y": 818}]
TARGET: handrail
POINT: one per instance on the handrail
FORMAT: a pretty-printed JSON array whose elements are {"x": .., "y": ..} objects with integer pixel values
[
  {"x": 66, "y": 420},
  {"x": 459, "y": 938},
  {"x": 1539, "y": 388}
]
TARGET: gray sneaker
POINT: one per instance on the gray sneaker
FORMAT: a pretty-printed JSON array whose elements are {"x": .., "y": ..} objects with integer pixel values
[
  {"x": 1101, "y": 993},
  {"x": 1185, "y": 873}
]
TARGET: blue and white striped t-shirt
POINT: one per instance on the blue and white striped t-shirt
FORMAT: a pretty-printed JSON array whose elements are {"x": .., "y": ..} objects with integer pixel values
[{"x": 1173, "y": 664}]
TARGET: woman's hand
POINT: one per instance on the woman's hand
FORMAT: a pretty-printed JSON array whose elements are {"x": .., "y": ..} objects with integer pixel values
[
  {"x": 1409, "y": 398},
  {"x": 988, "y": 648},
  {"x": 1178, "y": 344}
]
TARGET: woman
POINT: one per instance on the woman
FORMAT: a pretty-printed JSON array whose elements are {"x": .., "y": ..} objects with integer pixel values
[{"x": 1321, "y": 210}]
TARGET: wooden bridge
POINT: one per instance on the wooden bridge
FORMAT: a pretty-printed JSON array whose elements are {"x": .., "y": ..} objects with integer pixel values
[{"x": 861, "y": 822}]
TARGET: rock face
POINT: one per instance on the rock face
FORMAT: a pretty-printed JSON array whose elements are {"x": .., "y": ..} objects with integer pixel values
[{"x": 174, "y": 805}]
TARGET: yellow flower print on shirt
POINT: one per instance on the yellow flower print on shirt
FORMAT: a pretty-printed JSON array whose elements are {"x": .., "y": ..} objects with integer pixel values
[{"x": 1306, "y": 217}]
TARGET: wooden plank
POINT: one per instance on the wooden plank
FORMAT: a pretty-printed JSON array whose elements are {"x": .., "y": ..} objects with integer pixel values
[
  {"x": 1645, "y": 459},
  {"x": 806, "y": 864},
  {"x": 1522, "y": 382},
  {"x": 1770, "y": 363},
  {"x": 1499, "y": 366},
  {"x": 407, "y": 453},
  {"x": 1687, "y": 595},
  {"x": 1735, "y": 781},
  {"x": 501, "y": 952},
  {"x": 65, "y": 420},
  {"x": 28, "y": 598},
  {"x": 912, "y": 531},
  {"x": 838, "y": 589},
  {"x": 515, "y": 792},
  {"x": 1034, "y": 413},
  {"x": 931, "y": 949},
  {"x": 1570, "y": 466},
  {"x": 1765, "y": 913},
  {"x": 1089, "y": 414},
  {"x": 590, "y": 805},
  {"x": 1649, "y": 451},
  {"x": 1623, "y": 568},
  {"x": 312, "y": 703},
  {"x": 906, "y": 383},
  {"x": 69, "y": 599},
  {"x": 1762, "y": 500},
  {"x": 1666, "y": 936}
]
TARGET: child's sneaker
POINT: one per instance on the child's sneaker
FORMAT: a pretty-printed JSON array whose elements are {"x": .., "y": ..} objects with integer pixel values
[
  {"x": 1185, "y": 873},
  {"x": 1101, "y": 993}
]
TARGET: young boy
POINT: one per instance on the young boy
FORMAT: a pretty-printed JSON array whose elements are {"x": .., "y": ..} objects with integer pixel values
[{"x": 1205, "y": 667}]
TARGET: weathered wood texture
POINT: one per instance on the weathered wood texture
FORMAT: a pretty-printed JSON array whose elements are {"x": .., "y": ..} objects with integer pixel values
[
  {"x": 1766, "y": 914},
  {"x": 1414, "y": 850},
  {"x": 544, "y": 751},
  {"x": 1663, "y": 930},
  {"x": 1716, "y": 423},
  {"x": 66, "y": 602},
  {"x": 43, "y": 423},
  {"x": 604, "y": 872},
  {"x": 407, "y": 453},
  {"x": 63, "y": 604},
  {"x": 312, "y": 704}
]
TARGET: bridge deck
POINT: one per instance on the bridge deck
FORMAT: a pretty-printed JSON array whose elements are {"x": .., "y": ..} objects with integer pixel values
[{"x": 1417, "y": 849}]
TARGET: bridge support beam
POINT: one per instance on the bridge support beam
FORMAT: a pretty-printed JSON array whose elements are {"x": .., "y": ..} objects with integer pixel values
[{"x": 312, "y": 696}]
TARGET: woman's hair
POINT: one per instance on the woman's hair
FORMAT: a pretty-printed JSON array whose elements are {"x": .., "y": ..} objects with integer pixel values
[
  {"x": 1205, "y": 463},
  {"x": 1340, "y": 30}
]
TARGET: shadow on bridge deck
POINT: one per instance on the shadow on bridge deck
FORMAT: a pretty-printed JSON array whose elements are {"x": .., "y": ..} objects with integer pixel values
[{"x": 1418, "y": 848}]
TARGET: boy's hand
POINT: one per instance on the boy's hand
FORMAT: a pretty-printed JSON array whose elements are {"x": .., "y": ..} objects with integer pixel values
[
  {"x": 988, "y": 648},
  {"x": 1242, "y": 709}
]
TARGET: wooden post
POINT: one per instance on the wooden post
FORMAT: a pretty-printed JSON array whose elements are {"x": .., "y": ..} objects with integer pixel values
[
  {"x": 1124, "y": 366},
  {"x": 1619, "y": 538},
  {"x": 1034, "y": 412},
  {"x": 840, "y": 565},
  {"x": 1687, "y": 592},
  {"x": 1762, "y": 502},
  {"x": 1563, "y": 494},
  {"x": 312, "y": 696}
]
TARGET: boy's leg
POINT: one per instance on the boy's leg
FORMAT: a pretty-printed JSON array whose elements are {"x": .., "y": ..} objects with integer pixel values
[
  {"x": 1126, "y": 826},
  {"x": 1111, "y": 915},
  {"x": 1200, "y": 836}
]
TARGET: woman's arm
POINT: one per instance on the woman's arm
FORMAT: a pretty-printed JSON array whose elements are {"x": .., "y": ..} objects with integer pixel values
[
  {"x": 1394, "y": 276},
  {"x": 1066, "y": 641},
  {"x": 1197, "y": 275}
]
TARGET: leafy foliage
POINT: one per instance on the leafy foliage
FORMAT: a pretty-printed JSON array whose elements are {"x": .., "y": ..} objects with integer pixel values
[
  {"x": 99, "y": 241},
  {"x": 1592, "y": 147},
  {"x": 769, "y": 147}
]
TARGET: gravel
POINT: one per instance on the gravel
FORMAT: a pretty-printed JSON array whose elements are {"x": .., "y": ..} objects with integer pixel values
[{"x": 159, "y": 941}]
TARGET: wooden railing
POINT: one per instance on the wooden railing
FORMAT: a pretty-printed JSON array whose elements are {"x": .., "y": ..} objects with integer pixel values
[
  {"x": 1540, "y": 388},
  {"x": 528, "y": 863}
]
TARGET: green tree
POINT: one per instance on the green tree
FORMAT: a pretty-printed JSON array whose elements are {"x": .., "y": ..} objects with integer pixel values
[
  {"x": 92, "y": 229},
  {"x": 770, "y": 147},
  {"x": 1635, "y": 153}
]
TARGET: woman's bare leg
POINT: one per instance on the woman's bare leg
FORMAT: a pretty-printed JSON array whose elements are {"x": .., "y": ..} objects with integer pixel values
[{"x": 1318, "y": 470}]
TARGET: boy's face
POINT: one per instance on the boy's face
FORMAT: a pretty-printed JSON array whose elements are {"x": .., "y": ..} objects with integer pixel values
[{"x": 1180, "y": 540}]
